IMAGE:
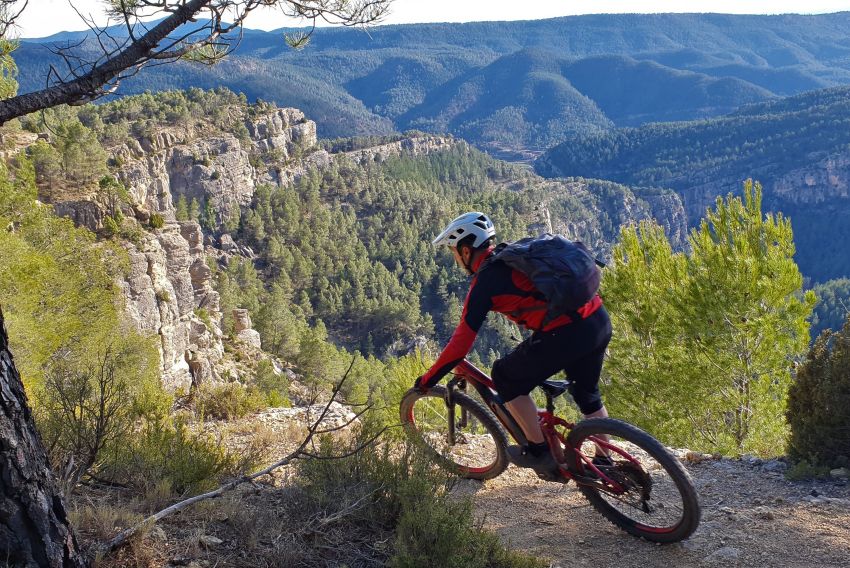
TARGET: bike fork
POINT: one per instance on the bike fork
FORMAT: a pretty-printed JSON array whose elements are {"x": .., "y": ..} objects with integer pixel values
[{"x": 450, "y": 407}]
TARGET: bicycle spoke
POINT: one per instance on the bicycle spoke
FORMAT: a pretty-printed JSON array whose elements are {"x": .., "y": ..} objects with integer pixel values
[
  {"x": 473, "y": 447},
  {"x": 645, "y": 477}
]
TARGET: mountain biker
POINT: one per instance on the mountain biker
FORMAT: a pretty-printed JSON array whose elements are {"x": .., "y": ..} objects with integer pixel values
[{"x": 576, "y": 347}]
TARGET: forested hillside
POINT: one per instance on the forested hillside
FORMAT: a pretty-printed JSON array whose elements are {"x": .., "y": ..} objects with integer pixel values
[
  {"x": 515, "y": 84},
  {"x": 190, "y": 276},
  {"x": 345, "y": 248},
  {"x": 833, "y": 307},
  {"x": 797, "y": 147}
]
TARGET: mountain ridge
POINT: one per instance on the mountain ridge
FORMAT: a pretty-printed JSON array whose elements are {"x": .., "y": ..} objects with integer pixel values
[{"x": 358, "y": 84}]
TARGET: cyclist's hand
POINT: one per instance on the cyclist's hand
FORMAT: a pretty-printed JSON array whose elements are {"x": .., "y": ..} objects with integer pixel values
[{"x": 421, "y": 384}]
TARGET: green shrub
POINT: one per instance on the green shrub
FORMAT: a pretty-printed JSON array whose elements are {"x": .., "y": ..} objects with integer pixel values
[
  {"x": 130, "y": 230},
  {"x": 110, "y": 227},
  {"x": 275, "y": 387},
  {"x": 92, "y": 395},
  {"x": 805, "y": 470},
  {"x": 401, "y": 492},
  {"x": 819, "y": 403},
  {"x": 204, "y": 315},
  {"x": 169, "y": 451},
  {"x": 157, "y": 221},
  {"x": 228, "y": 401},
  {"x": 440, "y": 532}
]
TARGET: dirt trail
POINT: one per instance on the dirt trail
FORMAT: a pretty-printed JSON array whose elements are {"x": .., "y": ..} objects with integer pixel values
[{"x": 751, "y": 517}]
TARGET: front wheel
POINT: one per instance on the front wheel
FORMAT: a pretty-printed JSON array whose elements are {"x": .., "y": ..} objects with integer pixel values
[
  {"x": 645, "y": 490},
  {"x": 477, "y": 449}
]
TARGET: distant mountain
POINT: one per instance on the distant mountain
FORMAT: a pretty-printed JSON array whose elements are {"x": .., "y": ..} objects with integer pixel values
[
  {"x": 798, "y": 148},
  {"x": 632, "y": 92},
  {"x": 529, "y": 83},
  {"x": 521, "y": 99}
]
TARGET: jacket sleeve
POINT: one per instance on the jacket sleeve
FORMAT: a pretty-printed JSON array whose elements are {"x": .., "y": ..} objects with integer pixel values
[{"x": 475, "y": 308}]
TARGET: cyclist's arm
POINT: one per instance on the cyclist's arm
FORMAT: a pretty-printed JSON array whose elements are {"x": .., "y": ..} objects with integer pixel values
[{"x": 478, "y": 302}]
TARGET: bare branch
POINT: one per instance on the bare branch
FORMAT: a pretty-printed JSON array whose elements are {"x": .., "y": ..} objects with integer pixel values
[
  {"x": 347, "y": 423},
  {"x": 91, "y": 77},
  {"x": 299, "y": 453},
  {"x": 9, "y": 14}
]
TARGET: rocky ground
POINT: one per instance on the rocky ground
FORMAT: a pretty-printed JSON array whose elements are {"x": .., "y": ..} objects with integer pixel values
[{"x": 752, "y": 516}]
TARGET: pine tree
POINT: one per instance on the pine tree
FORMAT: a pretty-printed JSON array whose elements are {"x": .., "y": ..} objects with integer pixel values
[
  {"x": 181, "y": 210},
  {"x": 819, "y": 403},
  {"x": 705, "y": 342},
  {"x": 194, "y": 209}
]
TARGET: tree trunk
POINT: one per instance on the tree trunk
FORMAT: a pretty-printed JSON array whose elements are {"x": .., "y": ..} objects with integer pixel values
[
  {"x": 34, "y": 529},
  {"x": 88, "y": 85}
]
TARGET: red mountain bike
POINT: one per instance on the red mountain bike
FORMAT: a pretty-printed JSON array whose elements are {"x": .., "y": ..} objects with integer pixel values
[{"x": 643, "y": 488}]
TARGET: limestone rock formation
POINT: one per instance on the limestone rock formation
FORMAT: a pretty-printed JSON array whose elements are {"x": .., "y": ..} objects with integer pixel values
[
  {"x": 619, "y": 206},
  {"x": 242, "y": 328},
  {"x": 414, "y": 146},
  {"x": 167, "y": 286},
  {"x": 826, "y": 180},
  {"x": 168, "y": 290}
]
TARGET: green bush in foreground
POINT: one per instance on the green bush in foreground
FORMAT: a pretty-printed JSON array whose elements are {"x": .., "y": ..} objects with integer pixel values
[
  {"x": 819, "y": 404},
  {"x": 167, "y": 452},
  {"x": 228, "y": 401},
  {"x": 401, "y": 493}
]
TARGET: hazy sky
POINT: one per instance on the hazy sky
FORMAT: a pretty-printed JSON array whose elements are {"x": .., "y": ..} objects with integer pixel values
[{"x": 45, "y": 17}]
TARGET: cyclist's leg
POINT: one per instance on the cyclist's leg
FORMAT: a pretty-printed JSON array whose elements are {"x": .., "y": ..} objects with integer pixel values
[
  {"x": 520, "y": 371},
  {"x": 584, "y": 373},
  {"x": 524, "y": 410},
  {"x": 584, "y": 383}
]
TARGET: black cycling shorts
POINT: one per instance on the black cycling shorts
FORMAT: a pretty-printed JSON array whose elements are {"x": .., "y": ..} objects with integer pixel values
[{"x": 576, "y": 348}]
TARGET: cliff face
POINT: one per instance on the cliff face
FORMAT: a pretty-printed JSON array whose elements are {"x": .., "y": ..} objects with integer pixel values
[
  {"x": 168, "y": 285},
  {"x": 613, "y": 206},
  {"x": 826, "y": 180},
  {"x": 168, "y": 290},
  {"x": 216, "y": 168}
]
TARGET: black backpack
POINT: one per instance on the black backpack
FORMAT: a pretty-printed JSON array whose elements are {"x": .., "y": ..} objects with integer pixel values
[{"x": 565, "y": 272}]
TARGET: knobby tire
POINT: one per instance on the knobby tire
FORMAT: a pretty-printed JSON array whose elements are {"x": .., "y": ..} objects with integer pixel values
[
  {"x": 475, "y": 408},
  {"x": 690, "y": 504}
]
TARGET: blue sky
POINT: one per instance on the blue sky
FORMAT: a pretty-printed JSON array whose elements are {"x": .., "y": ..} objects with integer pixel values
[{"x": 45, "y": 17}]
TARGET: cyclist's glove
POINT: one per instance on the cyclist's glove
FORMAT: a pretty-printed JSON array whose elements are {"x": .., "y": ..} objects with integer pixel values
[{"x": 422, "y": 385}]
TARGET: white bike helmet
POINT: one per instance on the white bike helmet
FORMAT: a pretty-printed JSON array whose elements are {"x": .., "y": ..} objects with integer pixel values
[{"x": 474, "y": 223}]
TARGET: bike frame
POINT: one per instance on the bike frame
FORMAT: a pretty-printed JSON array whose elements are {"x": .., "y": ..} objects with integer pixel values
[{"x": 467, "y": 373}]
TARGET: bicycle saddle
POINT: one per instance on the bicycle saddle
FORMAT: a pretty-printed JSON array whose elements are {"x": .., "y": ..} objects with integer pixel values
[{"x": 555, "y": 388}]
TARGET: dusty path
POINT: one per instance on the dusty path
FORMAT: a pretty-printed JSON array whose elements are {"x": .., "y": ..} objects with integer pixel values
[{"x": 750, "y": 518}]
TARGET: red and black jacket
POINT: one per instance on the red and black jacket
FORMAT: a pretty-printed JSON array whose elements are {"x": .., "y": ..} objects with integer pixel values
[{"x": 497, "y": 288}]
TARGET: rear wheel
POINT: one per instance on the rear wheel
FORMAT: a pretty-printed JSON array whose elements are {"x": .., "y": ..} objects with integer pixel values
[
  {"x": 647, "y": 492},
  {"x": 478, "y": 448}
]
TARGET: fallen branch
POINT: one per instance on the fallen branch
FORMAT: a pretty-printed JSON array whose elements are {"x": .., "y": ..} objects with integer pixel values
[{"x": 300, "y": 452}]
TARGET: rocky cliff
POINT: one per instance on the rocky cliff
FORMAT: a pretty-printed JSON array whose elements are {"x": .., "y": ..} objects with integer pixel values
[
  {"x": 168, "y": 290},
  {"x": 167, "y": 286},
  {"x": 825, "y": 180},
  {"x": 822, "y": 181},
  {"x": 613, "y": 206}
]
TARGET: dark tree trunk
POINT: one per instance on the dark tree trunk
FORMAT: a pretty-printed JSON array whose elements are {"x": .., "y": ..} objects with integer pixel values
[{"x": 34, "y": 529}]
